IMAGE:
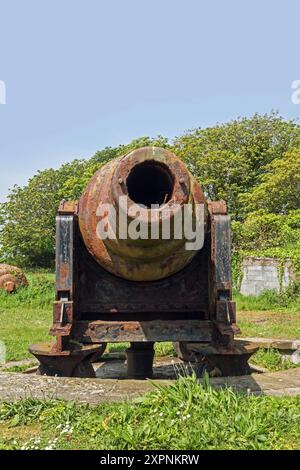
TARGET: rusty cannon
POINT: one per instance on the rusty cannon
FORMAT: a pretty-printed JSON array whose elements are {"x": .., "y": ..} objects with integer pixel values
[{"x": 142, "y": 257}]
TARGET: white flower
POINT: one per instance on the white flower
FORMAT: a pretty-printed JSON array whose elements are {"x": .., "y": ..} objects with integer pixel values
[
  {"x": 160, "y": 414},
  {"x": 178, "y": 412}
]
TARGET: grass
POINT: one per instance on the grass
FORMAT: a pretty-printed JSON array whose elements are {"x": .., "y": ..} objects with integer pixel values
[
  {"x": 269, "y": 324},
  {"x": 271, "y": 360},
  {"x": 25, "y": 317},
  {"x": 269, "y": 301},
  {"x": 19, "y": 368},
  {"x": 215, "y": 419}
]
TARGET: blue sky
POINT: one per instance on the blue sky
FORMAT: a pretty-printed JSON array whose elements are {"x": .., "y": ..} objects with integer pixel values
[{"x": 81, "y": 75}]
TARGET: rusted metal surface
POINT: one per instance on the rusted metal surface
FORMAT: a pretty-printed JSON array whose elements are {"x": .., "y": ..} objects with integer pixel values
[
  {"x": 218, "y": 207},
  {"x": 146, "y": 330},
  {"x": 141, "y": 291},
  {"x": 64, "y": 260},
  {"x": 139, "y": 260},
  {"x": 11, "y": 278},
  {"x": 75, "y": 362},
  {"x": 224, "y": 361},
  {"x": 100, "y": 291}
]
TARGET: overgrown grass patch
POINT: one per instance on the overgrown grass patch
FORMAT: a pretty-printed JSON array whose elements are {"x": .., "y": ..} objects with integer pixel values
[
  {"x": 268, "y": 300},
  {"x": 272, "y": 360},
  {"x": 38, "y": 294},
  {"x": 26, "y": 315},
  {"x": 185, "y": 415},
  {"x": 269, "y": 324}
]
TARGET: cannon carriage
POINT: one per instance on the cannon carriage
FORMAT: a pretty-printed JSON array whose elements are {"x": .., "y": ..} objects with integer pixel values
[{"x": 144, "y": 289}]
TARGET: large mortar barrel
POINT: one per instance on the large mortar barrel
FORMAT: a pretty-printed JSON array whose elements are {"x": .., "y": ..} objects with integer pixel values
[{"x": 145, "y": 177}]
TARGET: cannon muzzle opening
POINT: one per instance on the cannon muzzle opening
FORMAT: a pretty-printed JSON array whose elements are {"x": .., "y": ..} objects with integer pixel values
[{"x": 149, "y": 183}]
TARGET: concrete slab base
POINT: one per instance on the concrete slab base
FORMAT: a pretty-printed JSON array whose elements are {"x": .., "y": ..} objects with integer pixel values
[{"x": 111, "y": 384}]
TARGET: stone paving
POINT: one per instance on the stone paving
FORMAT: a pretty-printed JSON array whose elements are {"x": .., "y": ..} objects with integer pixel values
[{"x": 111, "y": 384}]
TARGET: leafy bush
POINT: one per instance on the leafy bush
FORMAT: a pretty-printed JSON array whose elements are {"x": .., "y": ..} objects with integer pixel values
[
  {"x": 279, "y": 188},
  {"x": 263, "y": 231},
  {"x": 230, "y": 159},
  {"x": 267, "y": 235}
]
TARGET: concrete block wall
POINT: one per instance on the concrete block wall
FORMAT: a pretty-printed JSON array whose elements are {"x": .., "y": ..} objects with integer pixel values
[{"x": 261, "y": 274}]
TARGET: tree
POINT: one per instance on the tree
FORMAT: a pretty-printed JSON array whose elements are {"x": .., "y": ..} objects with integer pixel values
[
  {"x": 279, "y": 188},
  {"x": 27, "y": 219},
  {"x": 27, "y": 233},
  {"x": 229, "y": 159}
]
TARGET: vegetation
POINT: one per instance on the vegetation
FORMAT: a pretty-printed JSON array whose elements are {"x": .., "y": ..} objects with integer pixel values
[
  {"x": 269, "y": 324},
  {"x": 230, "y": 159},
  {"x": 285, "y": 302},
  {"x": 25, "y": 317},
  {"x": 245, "y": 422},
  {"x": 272, "y": 360}
]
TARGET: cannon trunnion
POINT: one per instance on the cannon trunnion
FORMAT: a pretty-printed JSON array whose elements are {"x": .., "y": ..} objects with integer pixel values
[{"x": 141, "y": 291}]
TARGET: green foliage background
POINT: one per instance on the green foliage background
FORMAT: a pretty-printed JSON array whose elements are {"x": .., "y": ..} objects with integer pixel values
[{"x": 252, "y": 163}]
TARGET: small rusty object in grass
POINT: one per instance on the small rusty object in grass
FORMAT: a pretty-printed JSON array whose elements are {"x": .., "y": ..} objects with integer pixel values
[{"x": 11, "y": 278}]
